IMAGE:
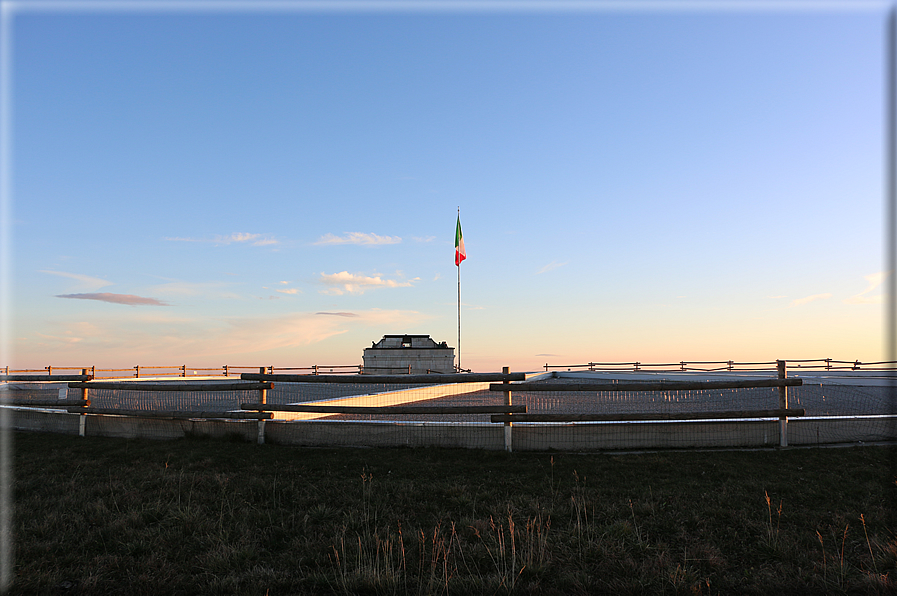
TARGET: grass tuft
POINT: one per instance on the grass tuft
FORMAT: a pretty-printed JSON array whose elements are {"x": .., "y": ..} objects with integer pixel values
[{"x": 216, "y": 517}]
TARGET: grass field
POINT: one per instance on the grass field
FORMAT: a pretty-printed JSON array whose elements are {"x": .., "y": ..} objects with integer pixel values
[{"x": 109, "y": 516}]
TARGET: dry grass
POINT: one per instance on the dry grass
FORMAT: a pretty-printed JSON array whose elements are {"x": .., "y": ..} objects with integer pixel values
[{"x": 107, "y": 516}]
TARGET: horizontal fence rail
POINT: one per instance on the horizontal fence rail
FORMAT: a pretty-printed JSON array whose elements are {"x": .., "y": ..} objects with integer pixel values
[
  {"x": 44, "y": 378},
  {"x": 430, "y": 379},
  {"x": 47, "y": 403},
  {"x": 182, "y": 370},
  {"x": 646, "y": 417},
  {"x": 124, "y": 386},
  {"x": 727, "y": 366},
  {"x": 172, "y": 414},
  {"x": 694, "y": 366},
  {"x": 662, "y": 385}
]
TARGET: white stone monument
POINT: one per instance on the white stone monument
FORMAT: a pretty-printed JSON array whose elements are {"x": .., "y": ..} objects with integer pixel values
[{"x": 401, "y": 354}]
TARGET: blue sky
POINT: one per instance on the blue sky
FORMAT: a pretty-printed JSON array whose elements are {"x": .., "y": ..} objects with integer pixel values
[{"x": 280, "y": 187}]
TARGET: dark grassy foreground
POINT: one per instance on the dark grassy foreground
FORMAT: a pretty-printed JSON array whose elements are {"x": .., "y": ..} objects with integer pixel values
[{"x": 108, "y": 516}]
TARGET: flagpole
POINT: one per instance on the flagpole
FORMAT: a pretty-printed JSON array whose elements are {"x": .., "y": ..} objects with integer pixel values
[
  {"x": 458, "y": 267},
  {"x": 459, "y": 317},
  {"x": 460, "y": 255}
]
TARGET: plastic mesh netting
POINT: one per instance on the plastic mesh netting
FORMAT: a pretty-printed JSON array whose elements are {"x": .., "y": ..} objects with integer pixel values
[{"x": 834, "y": 412}]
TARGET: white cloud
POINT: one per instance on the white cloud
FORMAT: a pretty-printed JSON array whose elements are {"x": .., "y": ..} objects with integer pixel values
[
  {"x": 358, "y": 238},
  {"x": 550, "y": 266},
  {"x": 801, "y": 301},
  {"x": 85, "y": 282},
  {"x": 345, "y": 282},
  {"x": 288, "y": 291},
  {"x": 265, "y": 242},
  {"x": 237, "y": 237},
  {"x": 874, "y": 281}
]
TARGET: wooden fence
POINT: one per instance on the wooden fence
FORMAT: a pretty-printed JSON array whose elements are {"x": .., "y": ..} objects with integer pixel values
[
  {"x": 182, "y": 370},
  {"x": 727, "y": 366},
  {"x": 505, "y": 382}
]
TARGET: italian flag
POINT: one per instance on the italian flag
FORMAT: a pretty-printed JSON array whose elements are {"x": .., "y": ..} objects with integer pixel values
[{"x": 460, "y": 254}]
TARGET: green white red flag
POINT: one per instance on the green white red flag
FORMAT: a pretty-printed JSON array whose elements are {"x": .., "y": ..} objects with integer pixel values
[{"x": 460, "y": 253}]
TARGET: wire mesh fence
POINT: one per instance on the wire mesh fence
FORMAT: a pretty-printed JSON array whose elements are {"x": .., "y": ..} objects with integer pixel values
[
  {"x": 815, "y": 399},
  {"x": 371, "y": 411}
]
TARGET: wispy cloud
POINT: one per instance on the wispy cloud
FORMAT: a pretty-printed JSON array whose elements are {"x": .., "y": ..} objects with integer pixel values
[
  {"x": 345, "y": 282},
  {"x": 802, "y": 301},
  {"x": 63, "y": 339},
  {"x": 237, "y": 237},
  {"x": 338, "y": 314},
  {"x": 119, "y": 337},
  {"x": 288, "y": 291},
  {"x": 85, "y": 282},
  {"x": 298, "y": 329},
  {"x": 550, "y": 266},
  {"x": 358, "y": 238},
  {"x": 187, "y": 288},
  {"x": 128, "y": 299},
  {"x": 874, "y": 281}
]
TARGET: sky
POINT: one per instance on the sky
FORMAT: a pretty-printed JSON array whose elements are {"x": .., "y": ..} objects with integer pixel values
[{"x": 207, "y": 184}]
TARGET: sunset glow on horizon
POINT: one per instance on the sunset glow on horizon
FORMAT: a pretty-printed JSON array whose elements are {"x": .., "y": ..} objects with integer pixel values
[{"x": 280, "y": 187}]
